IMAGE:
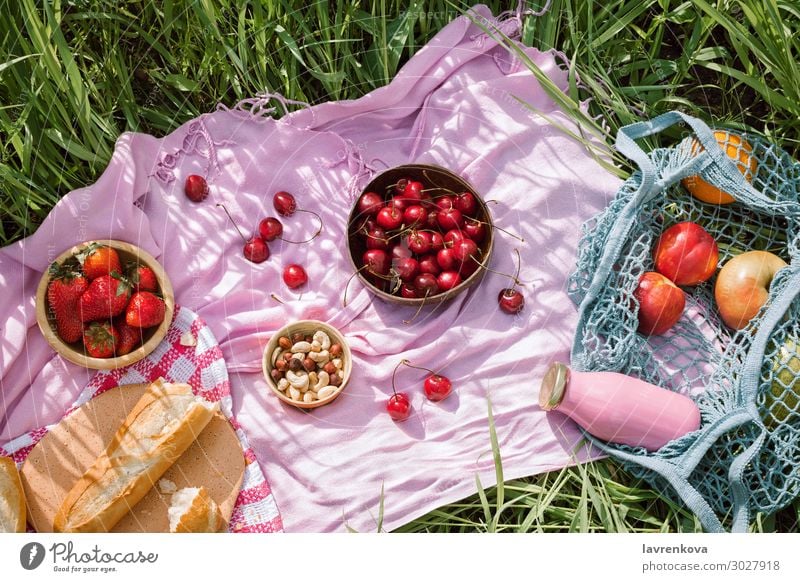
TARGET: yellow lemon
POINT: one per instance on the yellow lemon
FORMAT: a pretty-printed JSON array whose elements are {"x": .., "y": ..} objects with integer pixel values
[{"x": 739, "y": 151}]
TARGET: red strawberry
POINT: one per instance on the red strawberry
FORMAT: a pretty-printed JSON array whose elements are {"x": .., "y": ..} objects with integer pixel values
[
  {"x": 99, "y": 339},
  {"x": 143, "y": 279},
  {"x": 128, "y": 338},
  {"x": 98, "y": 260},
  {"x": 145, "y": 310},
  {"x": 63, "y": 295},
  {"x": 106, "y": 297}
]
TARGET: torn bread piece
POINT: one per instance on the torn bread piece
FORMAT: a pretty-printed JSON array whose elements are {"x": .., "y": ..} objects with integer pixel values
[
  {"x": 193, "y": 511},
  {"x": 161, "y": 426},
  {"x": 12, "y": 498}
]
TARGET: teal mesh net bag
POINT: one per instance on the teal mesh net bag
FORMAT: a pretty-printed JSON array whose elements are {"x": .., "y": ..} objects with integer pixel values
[{"x": 746, "y": 454}]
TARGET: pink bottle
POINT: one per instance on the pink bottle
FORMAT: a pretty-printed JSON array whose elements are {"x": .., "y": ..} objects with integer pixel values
[{"x": 617, "y": 408}]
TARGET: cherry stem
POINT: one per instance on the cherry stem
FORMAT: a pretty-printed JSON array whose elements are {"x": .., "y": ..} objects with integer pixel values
[
  {"x": 357, "y": 271},
  {"x": 519, "y": 266},
  {"x": 394, "y": 373},
  {"x": 316, "y": 234},
  {"x": 410, "y": 365},
  {"x": 421, "y": 305},
  {"x": 503, "y": 230},
  {"x": 233, "y": 221},
  {"x": 515, "y": 280},
  {"x": 276, "y": 298}
]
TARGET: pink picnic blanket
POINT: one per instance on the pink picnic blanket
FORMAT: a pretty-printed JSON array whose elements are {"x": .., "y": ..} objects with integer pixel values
[{"x": 456, "y": 103}]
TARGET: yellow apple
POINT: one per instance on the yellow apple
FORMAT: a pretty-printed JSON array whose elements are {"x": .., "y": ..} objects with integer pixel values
[{"x": 784, "y": 394}]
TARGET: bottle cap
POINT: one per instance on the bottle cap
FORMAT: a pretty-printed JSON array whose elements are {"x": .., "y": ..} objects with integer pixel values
[{"x": 554, "y": 385}]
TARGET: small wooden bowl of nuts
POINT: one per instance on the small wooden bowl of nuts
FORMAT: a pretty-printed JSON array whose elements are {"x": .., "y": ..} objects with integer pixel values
[{"x": 307, "y": 364}]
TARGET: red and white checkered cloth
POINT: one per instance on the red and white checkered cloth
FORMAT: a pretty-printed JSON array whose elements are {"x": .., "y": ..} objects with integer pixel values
[{"x": 203, "y": 367}]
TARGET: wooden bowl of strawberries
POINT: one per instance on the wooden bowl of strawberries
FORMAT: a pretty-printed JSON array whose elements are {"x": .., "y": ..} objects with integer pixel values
[{"x": 104, "y": 304}]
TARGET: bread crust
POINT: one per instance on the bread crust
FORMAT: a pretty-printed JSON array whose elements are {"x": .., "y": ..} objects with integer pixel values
[
  {"x": 161, "y": 426},
  {"x": 12, "y": 516},
  {"x": 202, "y": 516}
]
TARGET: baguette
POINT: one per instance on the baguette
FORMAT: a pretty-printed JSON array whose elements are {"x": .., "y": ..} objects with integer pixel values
[
  {"x": 161, "y": 426},
  {"x": 12, "y": 498},
  {"x": 193, "y": 511}
]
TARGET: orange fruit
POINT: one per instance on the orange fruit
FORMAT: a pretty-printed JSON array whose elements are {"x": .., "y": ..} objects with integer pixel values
[{"x": 739, "y": 151}]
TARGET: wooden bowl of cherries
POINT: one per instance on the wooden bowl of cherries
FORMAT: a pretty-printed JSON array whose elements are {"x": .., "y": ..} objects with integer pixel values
[{"x": 419, "y": 234}]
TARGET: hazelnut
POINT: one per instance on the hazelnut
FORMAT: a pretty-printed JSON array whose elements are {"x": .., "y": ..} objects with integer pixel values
[
  {"x": 329, "y": 368},
  {"x": 335, "y": 350},
  {"x": 309, "y": 364},
  {"x": 282, "y": 365},
  {"x": 295, "y": 365},
  {"x": 285, "y": 343},
  {"x": 276, "y": 374},
  {"x": 335, "y": 380},
  {"x": 297, "y": 337}
]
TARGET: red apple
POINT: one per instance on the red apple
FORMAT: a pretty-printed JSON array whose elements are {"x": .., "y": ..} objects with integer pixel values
[
  {"x": 742, "y": 286},
  {"x": 686, "y": 254},
  {"x": 661, "y": 303}
]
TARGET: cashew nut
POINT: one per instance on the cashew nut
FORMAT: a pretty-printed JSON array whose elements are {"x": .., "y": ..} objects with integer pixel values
[
  {"x": 294, "y": 393},
  {"x": 312, "y": 379},
  {"x": 316, "y": 346},
  {"x": 308, "y": 397},
  {"x": 323, "y": 339},
  {"x": 320, "y": 357},
  {"x": 297, "y": 380},
  {"x": 326, "y": 392},
  {"x": 338, "y": 363},
  {"x": 304, "y": 347},
  {"x": 324, "y": 380},
  {"x": 283, "y": 384}
]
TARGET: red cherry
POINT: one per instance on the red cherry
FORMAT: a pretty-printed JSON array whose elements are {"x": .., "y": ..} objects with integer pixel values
[
  {"x": 464, "y": 250},
  {"x": 468, "y": 268},
  {"x": 511, "y": 300},
  {"x": 419, "y": 241},
  {"x": 426, "y": 284},
  {"x": 466, "y": 203},
  {"x": 407, "y": 269},
  {"x": 256, "y": 250},
  {"x": 400, "y": 185},
  {"x": 400, "y": 202},
  {"x": 450, "y": 219},
  {"x": 452, "y": 237},
  {"x": 284, "y": 203},
  {"x": 377, "y": 239},
  {"x": 408, "y": 291},
  {"x": 437, "y": 241},
  {"x": 377, "y": 261},
  {"x": 398, "y": 406},
  {"x": 390, "y": 218},
  {"x": 474, "y": 229},
  {"x": 447, "y": 259},
  {"x": 294, "y": 276},
  {"x": 445, "y": 202},
  {"x": 448, "y": 279},
  {"x": 437, "y": 387},
  {"x": 429, "y": 264},
  {"x": 270, "y": 228},
  {"x": 415, "y": 215},
  {"x": 433, "y": 219},
  {"x": 413, "y": 191},
  {"x": 369, "y": 204},
  {"x": 195, "y": 188}
]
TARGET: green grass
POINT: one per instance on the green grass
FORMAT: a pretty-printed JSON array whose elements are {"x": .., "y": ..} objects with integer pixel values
[{"x": 78, "y": 73}]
